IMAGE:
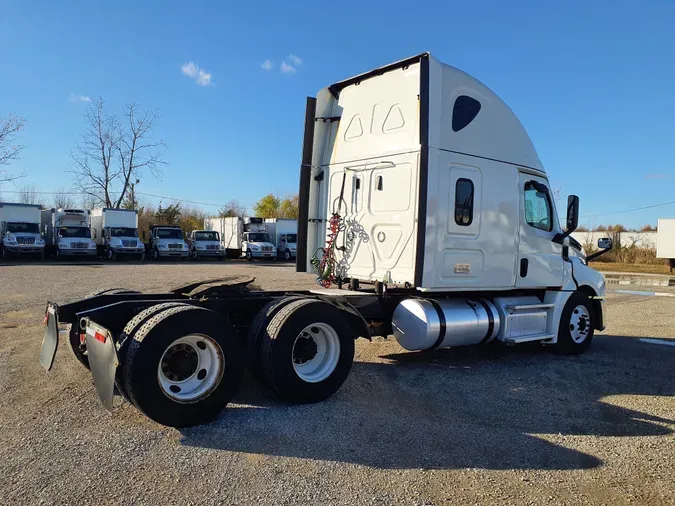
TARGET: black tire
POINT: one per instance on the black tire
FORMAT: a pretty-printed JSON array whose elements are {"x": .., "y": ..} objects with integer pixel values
[
  {"x": 155, "y": 255},
  {"x": 129, "y": 330},
  {"x": 76, "y": 346},
  {"x": 584, "y": 327},
  {"x": 278, "y": 349},
  {"x": 194, "y": 255},
  {"x": 145, "y": 350},
  {"x": 287, "y": 255},
  {"x": 110, "y": 255},
  {"x": 249, "y": 255},
  {"x": 141, "y": 257},
  {"x": 256, "y": 335},
  {"x": 42, "y": 256}
]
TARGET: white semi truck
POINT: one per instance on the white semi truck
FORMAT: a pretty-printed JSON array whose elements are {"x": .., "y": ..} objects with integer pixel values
[
  {"x": 115, "y": 232},
  {"x": 421, "y": 190},
  {"x": 665, "y": 240},
  {"x": 67, "y": 233},
  {"x": 20, "y": 230},
  {"x": 284, "y": 235},
  {"x": 230, "y": 229}
]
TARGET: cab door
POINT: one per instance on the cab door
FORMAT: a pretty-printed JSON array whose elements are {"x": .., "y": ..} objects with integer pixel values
[{"x": 540, "y": 261}]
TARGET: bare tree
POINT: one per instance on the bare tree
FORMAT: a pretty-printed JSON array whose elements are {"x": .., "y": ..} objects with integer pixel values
[
  {"x": 63, "y": 199},
  {"x": 233, "y": 208},
  {"x": 10, "y": 127},
  {"x": 136, "y": 151},
  {"x": 29, "y": 195},
  {"x": 113, "y": 154}
]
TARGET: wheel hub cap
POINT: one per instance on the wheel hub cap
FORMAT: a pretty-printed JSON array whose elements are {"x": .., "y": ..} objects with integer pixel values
[
  {"x": 580, "y": 324},
  {"x": 316, "y": 352}
]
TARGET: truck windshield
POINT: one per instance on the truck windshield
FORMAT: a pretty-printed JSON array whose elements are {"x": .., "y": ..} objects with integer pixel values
[
  {"x": 258, "y": 237},
  {"x": 25, "y": 228},
  {"x": 169, "y": 233},
  {"x": 206, "y": 236},
  {"x": 74, "y": 232},
  {"x": 123, "y": 232},
  {"x": 292, "y": 238}
]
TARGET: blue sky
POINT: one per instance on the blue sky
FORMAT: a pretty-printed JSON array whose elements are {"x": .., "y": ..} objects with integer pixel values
[{"x": 592, "y": 82}]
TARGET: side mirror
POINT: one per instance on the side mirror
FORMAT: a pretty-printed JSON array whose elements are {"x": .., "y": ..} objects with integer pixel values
[
  {"x": 605, "y": 243},
  {"x": 572, "y": 214}
]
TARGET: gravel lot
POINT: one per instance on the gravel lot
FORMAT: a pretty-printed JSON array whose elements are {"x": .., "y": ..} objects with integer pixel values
[{"x": 479, "y": 426}]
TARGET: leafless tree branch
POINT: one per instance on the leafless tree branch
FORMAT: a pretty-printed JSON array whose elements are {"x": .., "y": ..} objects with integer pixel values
[{"x": 10, "y": 127}]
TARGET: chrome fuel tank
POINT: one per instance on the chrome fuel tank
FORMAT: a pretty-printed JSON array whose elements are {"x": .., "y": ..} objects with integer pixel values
[{"x": 426, "y": 324}]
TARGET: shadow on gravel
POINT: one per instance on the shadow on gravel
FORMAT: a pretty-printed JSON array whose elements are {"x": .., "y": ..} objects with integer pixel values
[{"x": 463, "y": 408}]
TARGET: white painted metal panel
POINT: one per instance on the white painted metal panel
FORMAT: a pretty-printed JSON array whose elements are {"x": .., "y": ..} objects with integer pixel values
[
  {"x": 665, "y": 245},
  {"x": 19, "y": 213}
]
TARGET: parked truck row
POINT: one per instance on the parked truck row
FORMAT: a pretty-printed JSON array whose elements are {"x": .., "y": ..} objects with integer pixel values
[{"x": 28, "y": 230}]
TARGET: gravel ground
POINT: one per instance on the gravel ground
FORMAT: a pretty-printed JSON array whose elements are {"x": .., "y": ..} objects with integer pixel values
[{"x": 478, "y": 426}]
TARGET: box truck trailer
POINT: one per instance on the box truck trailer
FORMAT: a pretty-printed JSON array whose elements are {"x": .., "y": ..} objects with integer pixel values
[
  {"x": 20, "y": 231},
  {"x": 421, "y": 191},
  {"x": 284, "y": 235},
  {"x": 230, "y": 229},
  {"x": 665, "y": 240},
  {"x": 115, "y": 232},
  {"x": 66, "y": 233}
]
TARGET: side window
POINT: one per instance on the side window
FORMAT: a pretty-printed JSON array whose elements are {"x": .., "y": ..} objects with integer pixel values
[
  {"x": 538, "y": 213},
  {"x": 464, "y": 202}
]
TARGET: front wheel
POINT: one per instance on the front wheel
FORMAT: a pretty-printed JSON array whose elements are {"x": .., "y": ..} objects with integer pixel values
[
  {"x": 577, "y": 325},
  {"x": 111, "y": 255},
  {"x": 287, "y": 255},
  {"x": 194, "y": 255},
  {"x": 249, "y": 255},
  {"x": 155, "y": 254}
]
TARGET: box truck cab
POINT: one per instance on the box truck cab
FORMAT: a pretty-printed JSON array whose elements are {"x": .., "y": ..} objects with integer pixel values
[
  {"x": 167, "y": 242},
  {"x": 20, "y": 230},
  {"x": 256, "y": 242},
  {"x": 283, "y": 232},
  {"x": 67, "y": 233},
  {"x": 115, "y": 232},
  {"x": 206, "y": 243}
]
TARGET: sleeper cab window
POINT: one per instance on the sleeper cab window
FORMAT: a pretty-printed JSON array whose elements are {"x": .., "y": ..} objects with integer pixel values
[
  {"x": 538, "y": 212},
  {"x": 464, "y": 202},
  {"x": 464, "y": 111}
]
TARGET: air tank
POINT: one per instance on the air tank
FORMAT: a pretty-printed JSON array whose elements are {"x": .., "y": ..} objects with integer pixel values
[{"x": 426, "y": 324}]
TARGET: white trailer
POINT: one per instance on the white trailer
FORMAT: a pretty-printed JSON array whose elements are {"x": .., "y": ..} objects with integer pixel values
[
  {"x": 284, "y": 235},
  {"x": 20, "y": 230},
  {"x": 115, "y": 232},
  {"x": 230, "y": 230},
  {"x": 665, "y": 240},
  {"x": 421, "y": 189},
  {"x": 67, "y": 234}
]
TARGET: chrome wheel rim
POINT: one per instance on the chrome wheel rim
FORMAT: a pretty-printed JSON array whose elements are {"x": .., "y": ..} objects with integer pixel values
[
  {"x": 316, "y": 352},
  {"x": 580, "y": 324},
  {"x": 191, "y": 368}
]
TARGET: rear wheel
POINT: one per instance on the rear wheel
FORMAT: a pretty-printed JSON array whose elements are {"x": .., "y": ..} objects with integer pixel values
[
  {"x": 308, "y": 350},
  {"x": 577, "y": 324},
  {"x": 76, "y": 336},
  {"x": 183, "y": 366}
]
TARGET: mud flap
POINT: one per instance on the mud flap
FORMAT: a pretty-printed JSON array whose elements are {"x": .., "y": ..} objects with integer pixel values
[
  {"x": 50, "y": 340},
  {"x": 102, "y": 360}
]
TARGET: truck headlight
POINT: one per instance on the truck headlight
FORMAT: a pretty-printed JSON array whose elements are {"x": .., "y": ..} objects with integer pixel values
[
  {"x": 162, "y": 246},
  {"x": 200, "y": 247},
  {"x": 221, "y": 247}
]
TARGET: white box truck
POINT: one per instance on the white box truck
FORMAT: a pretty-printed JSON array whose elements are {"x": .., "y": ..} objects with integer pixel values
[
  {"x": 115, "y": 232},
  {"x": 284, "y": 235},
  {"x": 421, "y": 189},
  {"x": 20, "y": 230},
  {"x": 167, "y": 241},
  {"x": 665, "y": 240},
  {"x": 256, "y": 243},
  {"x": 67, "y": 234},
  {"x": 205, "y": 244},
  {"x": 230, "y": 229}
]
